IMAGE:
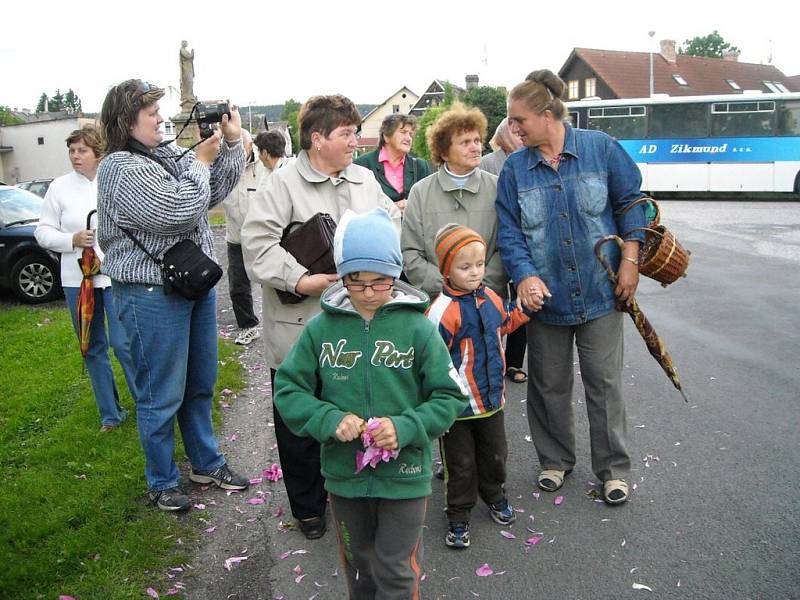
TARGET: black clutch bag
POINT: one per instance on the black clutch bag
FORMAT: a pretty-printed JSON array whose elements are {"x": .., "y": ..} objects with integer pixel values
[{"x": 311, "y": 245}]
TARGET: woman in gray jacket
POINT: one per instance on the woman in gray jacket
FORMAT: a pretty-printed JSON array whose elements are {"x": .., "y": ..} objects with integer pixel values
[{"x": 321, "y": 180}]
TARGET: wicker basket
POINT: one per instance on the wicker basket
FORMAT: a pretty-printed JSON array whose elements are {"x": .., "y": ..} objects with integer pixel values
[
  {"x": 661, "y": 256},
  {"x": 644, "y": 199}
]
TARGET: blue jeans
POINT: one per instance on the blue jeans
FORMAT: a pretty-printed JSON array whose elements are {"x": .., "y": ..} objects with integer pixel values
[
  {"x": 174, "y": 348},
  {"x": 97, "y": 361}
]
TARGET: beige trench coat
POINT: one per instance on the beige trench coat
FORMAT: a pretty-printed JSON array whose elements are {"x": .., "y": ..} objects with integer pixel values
[
  {"x": 296, "y": 193},
  {"x": 433, "y": 203}
]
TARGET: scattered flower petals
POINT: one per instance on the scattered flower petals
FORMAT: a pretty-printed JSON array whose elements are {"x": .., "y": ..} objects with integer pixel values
[
  {"x": 623, "y": 542},
  {"x": 278, "y": 512},
  {"x": 528, "y": 438},
  {"x": 558, "y": 500},
  {"x": 62, "y": 597},
  {"x": 256, "y": 480},
  {"x": 298, "y": 570},
  {"x": 274, "y": 473},
  {"x": 211, "y": 529},
  {"x": 536, "y": 495},
  {"x": 286, "y": 555},
  {"x": 484, "y": 570},
  {"x": 508, "y": 535},
  {"x": 200, "y": 506},
  {"x": 533, "y": 540},
  {"x": 255, "y": 501},
  {"x": 299, "y": 578},
  {"x": 226, "y": 392},
  {"x": 233, "y": 560},
  {"x": 639, "y": 586},
  {"x": 633, "y": 569},
  {"x": 301, "y": 551},
  {"x": 152, "y": 593}
]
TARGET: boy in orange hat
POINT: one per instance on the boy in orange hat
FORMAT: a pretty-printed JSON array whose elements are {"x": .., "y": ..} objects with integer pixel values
[{"x": 472, "y": 320}]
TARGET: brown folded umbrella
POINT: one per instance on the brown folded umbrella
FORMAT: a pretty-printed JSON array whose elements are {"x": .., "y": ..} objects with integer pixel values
[
  {"x": 90, "y": 266},
  {"x": 654, "y": 343}
]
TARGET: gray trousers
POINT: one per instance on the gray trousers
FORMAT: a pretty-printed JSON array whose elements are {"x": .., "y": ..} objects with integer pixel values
[
  {"x": 380, "y": 545},
  {"x": 550, "y": 414}
]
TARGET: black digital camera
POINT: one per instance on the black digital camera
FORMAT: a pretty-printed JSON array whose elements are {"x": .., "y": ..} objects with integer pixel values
[{"x": 208, "y": 114}]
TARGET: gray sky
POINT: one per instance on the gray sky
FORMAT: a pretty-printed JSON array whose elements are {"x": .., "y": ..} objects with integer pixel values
[{"x": 267, "y": 52}]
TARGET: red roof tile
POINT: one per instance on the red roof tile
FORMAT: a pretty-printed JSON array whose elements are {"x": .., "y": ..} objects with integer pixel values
[{"x": 628, "y": 73}]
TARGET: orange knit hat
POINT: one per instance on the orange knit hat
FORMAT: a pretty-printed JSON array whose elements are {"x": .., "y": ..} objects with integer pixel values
[{"x": 449, "y": 240}]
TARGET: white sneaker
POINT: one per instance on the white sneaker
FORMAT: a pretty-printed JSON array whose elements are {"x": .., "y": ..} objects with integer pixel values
[{"x": 246, "y": 336}]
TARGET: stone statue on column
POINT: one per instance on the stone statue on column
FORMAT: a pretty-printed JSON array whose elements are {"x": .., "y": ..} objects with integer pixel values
[{"x": 188, "y": 99}]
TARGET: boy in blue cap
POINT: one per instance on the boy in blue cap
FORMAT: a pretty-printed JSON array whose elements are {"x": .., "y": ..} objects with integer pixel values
[{"x": 372, "y": 355}]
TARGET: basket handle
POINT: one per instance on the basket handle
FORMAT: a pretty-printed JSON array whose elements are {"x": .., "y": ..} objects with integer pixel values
[
  {"x": 640, "y": 201},
  {"x": 648, "y": 229},
  {"x": 598, "y": 252}
]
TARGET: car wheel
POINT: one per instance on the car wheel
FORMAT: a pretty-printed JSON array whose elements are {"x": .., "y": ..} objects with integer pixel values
[{"x": 34, "y": 279}]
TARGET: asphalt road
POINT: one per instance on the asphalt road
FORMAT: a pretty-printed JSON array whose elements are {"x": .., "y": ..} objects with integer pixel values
[{"x": 715, "y": 511}]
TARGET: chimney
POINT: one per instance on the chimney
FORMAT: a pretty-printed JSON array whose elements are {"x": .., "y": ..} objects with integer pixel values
[
  {"x": 472, "y": 81},
  {"x": 730, "y": 55},
  {"x": 668, "y": 50}
]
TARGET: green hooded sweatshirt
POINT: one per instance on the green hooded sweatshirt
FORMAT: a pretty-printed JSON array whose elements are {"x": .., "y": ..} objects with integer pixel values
[{"x": 395, "y": 365}]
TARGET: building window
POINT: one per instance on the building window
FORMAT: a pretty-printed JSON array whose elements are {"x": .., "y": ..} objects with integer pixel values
[
  {"x": 395, "y": 109},
  {"x": 40, "y": 141},
  {"x": 679, "y": 80},
  {"x": 775, "y": 87},
  {"x": 733, "y": 84},
  {"x": 590, "y": 87},
  {"x": 573, "y": 89}
]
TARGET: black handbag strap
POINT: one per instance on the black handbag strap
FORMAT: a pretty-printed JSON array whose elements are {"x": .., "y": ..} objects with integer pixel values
[{"x": 138, "y": 243}]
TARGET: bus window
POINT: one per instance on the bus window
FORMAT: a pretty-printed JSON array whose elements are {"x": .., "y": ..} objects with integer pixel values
[
  {"x": 574, "y": 118},
  {"x": 789, "y": 118},
  {"x": 742, "y": 119},
  {"x": 678, "y": 121},
  {"x": 621, "y": 122}
]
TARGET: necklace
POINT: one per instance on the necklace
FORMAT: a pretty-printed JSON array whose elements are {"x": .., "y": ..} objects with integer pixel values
[{"x": 554, "y": 162}]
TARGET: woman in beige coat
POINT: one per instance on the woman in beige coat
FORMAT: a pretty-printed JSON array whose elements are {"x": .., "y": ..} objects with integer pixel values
[
  {"x": 322, "y": 179},
  {"x": 459, "y": 192}
]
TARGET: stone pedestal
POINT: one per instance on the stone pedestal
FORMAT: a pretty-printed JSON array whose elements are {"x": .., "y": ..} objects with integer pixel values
[{"x": 190, "y": 135}]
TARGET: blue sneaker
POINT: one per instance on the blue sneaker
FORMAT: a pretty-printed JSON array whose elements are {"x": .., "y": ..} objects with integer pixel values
[
  {"x": 502, "y": 513},
  {"x": 457, "y": 535}
]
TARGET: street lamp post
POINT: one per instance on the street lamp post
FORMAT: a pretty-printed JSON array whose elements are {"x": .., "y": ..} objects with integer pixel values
[{"x": 651, "y": 34}]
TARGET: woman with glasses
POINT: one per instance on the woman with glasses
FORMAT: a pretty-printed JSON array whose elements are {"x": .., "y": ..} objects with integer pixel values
[
  {"x": 395, "y": 168},
  {"x": 323, "y": 179},
  {"x": 160, "y": 195}
]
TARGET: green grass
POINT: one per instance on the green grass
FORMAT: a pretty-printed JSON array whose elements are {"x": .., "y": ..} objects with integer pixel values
[{"x": 73, "y": 518}]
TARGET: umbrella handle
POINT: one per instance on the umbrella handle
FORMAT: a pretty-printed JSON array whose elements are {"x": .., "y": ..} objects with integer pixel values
[
  {"x": 598, "y": 252},
  {"x": 89, "y": 218}
]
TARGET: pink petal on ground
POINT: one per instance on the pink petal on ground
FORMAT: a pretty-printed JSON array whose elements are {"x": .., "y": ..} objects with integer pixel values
[
  {"x": 62, "y": 597},
  {"x": 639, "y": 586},
  {"x": 533, "y": 540},
  {"x": 298, "y": 570},
  {"x": 558, "y": 500},
  {"x": 256, "y": 480},
  {"x": 278, "y": 512},
  {"x": 211, "y": 529},
  {"x": 233, "y": 560},
  {"x": 274, "y": 473},
  {"x": 226, "y": 392},
  {"x": 484, "y": 570},
  {"x": 301, "y": 551},
  {"x": 200, "y": 506},
  {"x": 299, "y": 578},
  {"x": 224, "y": 404},
  {"x": 508, "y": 535},
  {"x": 286, "y": 555},
  {"x": 152, "y": 593},
  {"x": 232, "y": 438},
  {"x": 172, "y": 592},
  {"x": 536, "y": 495},
  {"x": 255, "y": 501}
]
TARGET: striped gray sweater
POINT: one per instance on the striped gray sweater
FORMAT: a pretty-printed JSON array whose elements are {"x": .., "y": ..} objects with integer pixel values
[{"x": 159, "y": 205}]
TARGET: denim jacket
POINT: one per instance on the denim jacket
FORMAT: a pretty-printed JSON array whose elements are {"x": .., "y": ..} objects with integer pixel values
[{"x": 549, "y": 221}]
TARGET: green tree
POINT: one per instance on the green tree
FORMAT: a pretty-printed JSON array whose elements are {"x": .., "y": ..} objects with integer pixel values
[
  {"x": 7, "y": 118},
  {"x": 56, "y": 103},
  {"x": 712, "y": 45},
  {"x": 72, "y": 104},
  {"x": 420, "y": 143},
  {"x": 492, "y": 103},
  {"x": 290, "y": 109},
  {"x": 42, "y": 105}
]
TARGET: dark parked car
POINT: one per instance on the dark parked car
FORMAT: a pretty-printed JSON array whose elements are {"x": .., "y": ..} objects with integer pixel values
[
  {"x": 37, "y": 186},
  {"x": 30, "y": 271}
]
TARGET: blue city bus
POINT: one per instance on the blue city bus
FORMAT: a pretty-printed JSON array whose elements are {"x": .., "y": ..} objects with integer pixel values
[{"x": 748, "y": 142}]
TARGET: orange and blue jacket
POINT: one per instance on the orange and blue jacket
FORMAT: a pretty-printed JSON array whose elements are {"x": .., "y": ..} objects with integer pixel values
[{"x": 473, "y": 325}]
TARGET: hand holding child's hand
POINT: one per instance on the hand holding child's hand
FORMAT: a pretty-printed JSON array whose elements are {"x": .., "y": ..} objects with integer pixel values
[
  {"x": 385, "y": 435},
  {"x": 349, "y": 428}
]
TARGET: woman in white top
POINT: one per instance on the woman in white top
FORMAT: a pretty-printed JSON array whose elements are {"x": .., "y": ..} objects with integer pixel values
[{"x": 62, "y": 228}]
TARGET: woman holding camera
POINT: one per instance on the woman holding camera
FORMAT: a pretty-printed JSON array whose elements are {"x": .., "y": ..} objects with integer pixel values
[
  {"x": 159, "y": 196},
  {"x": 321, "y": 180}
]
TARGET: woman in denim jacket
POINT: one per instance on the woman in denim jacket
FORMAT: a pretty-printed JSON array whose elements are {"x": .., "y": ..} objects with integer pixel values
[{"x": 558, "y": 196}]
